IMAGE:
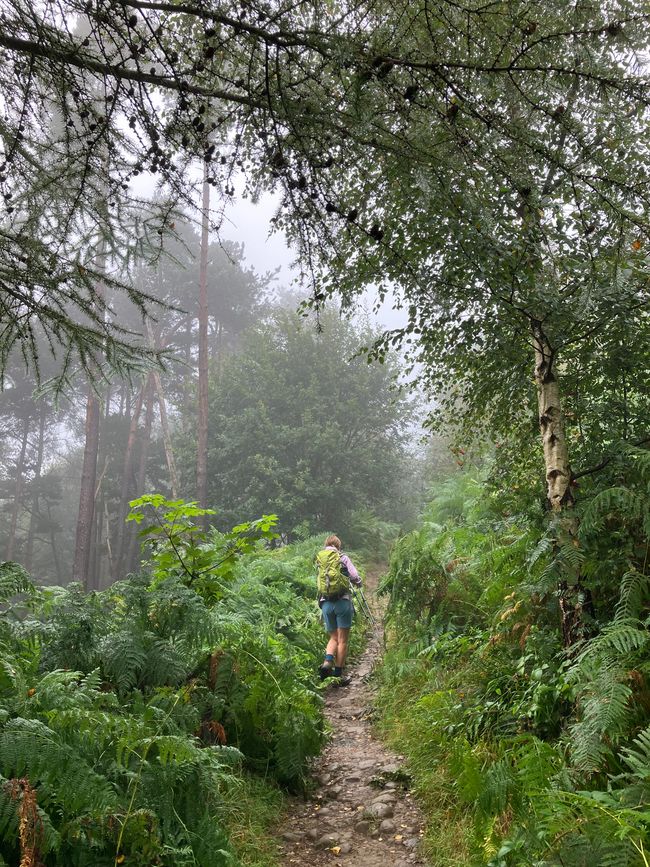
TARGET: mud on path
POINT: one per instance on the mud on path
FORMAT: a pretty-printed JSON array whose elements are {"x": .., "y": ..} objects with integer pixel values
[{"x": 361, "y": 812}]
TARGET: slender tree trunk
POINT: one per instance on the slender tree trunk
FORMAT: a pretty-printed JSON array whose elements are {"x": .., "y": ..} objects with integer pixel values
[
  {"x": 33, "y": 520},
  {"x": 166, "y": 435},
  {"x": 55, "y": 553},
  {"x": 127, "y": 481},
  {"x": 574, "y": 598},
  {"x": 18, "y": 491},
  {"x": 188, "y": 385},
  {"x": 100, "y": 498},
  {"x": 164, "y": 423},
  {"x": 96, "y": 548},
  {"x": 109, "y": 548},
  {"x": 131, "y": 563},
  {"x": 83, "y": 539},
  {"x": 202, "y": 424},
  {"x": 551, "y": 424}
]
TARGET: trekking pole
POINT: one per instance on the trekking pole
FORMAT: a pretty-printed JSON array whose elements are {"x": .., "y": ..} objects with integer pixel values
[{"x": 363, "y": 604}]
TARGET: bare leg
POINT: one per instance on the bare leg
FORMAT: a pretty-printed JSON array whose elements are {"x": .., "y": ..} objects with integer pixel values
[
  {"x": 332, "y": 644},
  {"x": 341, "y": 645}
]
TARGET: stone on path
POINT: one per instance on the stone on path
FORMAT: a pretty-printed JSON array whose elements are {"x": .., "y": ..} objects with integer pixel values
[{"x": 379, "y": 811}]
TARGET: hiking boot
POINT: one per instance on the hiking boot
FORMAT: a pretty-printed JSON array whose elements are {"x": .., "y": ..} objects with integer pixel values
[
  {"x": 325, "y": 671},
  {"x": 344, "y": 680}
]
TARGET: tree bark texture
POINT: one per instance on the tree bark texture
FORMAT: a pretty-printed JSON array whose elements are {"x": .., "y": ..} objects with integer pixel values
[
  {"x": 202, "y": 424},
  {"x": 33, "y": 520},
  {"x": 551, "y": 424},
  {"x": 131, "y": 560},
  {"x": 128, "y": 479},
  {"x": 83, "y": 539},
  {"x": 573, "y": 597},
  {"x": 18, "y": 491}
]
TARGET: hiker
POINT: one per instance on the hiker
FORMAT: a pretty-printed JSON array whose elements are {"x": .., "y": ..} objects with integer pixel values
[{"x": 335, "y": 571}]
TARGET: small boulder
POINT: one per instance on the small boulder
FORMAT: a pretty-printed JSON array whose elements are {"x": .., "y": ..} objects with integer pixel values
[
  {"x": 387, "y": 826},
  {"x": 385, "y": 798},
  {"x": 378, "y": 811}
]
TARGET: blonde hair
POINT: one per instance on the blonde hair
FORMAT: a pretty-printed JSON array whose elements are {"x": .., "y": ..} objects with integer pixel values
[{"x": 334, "y": 541}]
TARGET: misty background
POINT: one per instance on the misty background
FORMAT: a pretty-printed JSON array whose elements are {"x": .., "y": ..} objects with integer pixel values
[{"x": 297, "y": 425}]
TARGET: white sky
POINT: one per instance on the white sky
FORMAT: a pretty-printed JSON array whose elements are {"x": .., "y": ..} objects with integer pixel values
[{"x": 249, "y": 224}]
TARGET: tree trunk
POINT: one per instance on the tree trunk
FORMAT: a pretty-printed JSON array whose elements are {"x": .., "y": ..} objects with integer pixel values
[
  {"x": 127, "y": 480},
  {"x": 164, "y": 423},
  {"x": 100, "y": 498},
  {"x": 202, "y": 423},
  {"x": 574, "y": 598},
  {"x": 551, "y": 424},
  {"x": 188, "y": 382},
  {"x": 131, "y": 561},
  {"x": 55, "y": 553},
  {"x": 18, "y": 491},
  {"x": 167, "y": 440},
  {"x": 83, "y": 539},
  {"x": 36, "y": 493}
]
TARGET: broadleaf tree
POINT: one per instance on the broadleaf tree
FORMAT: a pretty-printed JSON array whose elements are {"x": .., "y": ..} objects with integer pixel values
[{"x": 298, "y": 423}]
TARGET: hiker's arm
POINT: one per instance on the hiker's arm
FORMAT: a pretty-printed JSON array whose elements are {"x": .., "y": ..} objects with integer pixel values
[{"x": 352, "y": 572}]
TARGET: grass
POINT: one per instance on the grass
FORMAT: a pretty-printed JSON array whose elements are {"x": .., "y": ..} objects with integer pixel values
[
  {"x": 252, "y": 809},
  {"x": 450, "y": 834}
]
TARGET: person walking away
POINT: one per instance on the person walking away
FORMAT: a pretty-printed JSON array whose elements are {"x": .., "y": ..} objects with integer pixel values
[{"x": 335, "y": 572}]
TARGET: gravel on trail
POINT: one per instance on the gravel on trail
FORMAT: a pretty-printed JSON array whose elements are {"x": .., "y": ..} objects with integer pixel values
[{"x": 361, "y": 812}]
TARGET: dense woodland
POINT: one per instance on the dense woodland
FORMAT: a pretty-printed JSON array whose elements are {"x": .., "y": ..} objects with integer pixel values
[{"x": 179, "y": 431}]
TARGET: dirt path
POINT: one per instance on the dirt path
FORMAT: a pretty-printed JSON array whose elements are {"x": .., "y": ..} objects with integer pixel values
[{"x": 361, "y": 813}]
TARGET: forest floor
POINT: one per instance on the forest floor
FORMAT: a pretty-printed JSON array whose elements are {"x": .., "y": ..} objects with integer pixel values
[{"x": 360, "y": 812}]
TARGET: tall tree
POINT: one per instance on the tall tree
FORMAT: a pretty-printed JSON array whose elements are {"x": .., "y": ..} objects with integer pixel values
[
  {"x": 202, "y": 415},
  {"x": 298, "y": 425}
]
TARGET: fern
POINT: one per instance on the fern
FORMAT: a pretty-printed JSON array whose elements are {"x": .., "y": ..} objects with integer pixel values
[
  {"x": 14, "y": 580},
  {"x": 637, "y": 757}
]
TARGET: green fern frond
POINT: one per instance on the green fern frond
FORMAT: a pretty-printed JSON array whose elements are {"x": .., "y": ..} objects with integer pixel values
[
  {"x": 30, "y": 748},
  {"x": 637, "y": 757},
  {"x": 634, "y": 594},
  {"x": 14, "y": 580},
  {"x": 123, "y": 658}
]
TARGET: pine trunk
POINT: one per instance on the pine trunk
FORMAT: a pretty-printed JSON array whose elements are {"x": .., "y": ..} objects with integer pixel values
[
  {"x": 18, "y": 491},
  {"x": 83, "y": 539},
  {"x": 131, "y": 560},
  {"x": 127, "y": 483},
  {"x": 55, "y": 553},
  {"x": 164, "y": 422},
  {"x": 166, "y": 436},
  {"x": 202, "y": 424},
  {"x": 33, "y": 520}
]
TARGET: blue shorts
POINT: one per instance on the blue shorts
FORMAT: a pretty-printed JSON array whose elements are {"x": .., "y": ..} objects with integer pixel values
[{"x": 337, "y": 615}]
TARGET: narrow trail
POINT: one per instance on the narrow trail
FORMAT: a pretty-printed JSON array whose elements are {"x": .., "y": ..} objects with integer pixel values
[{"x": 361, "y": 812}]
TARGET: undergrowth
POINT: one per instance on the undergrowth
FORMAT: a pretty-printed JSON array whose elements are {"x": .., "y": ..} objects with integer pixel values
[
  {"x": 524, "y": 752},
  {"x": 157, "y": 722}
]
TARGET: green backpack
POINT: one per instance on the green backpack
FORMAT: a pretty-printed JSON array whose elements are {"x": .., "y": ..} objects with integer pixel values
[{"x": 332, "y": 582}]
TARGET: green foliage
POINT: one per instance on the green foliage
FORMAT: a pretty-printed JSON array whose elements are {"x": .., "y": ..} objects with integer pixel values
[
  {"x": 138, "y": 714},
  {"x": 545, "y": 753},
  {"x": 179, "y": 546},
  {"x": 302, "y": 427}
]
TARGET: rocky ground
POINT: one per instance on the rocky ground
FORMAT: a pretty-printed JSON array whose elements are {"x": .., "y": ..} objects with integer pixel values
[{"x": 361, "y": 812}]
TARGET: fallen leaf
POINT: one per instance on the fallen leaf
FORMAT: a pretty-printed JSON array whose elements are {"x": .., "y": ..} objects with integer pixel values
[
  {"x": 336, "y": 850},
  {"x": 399, "y": 837}
]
